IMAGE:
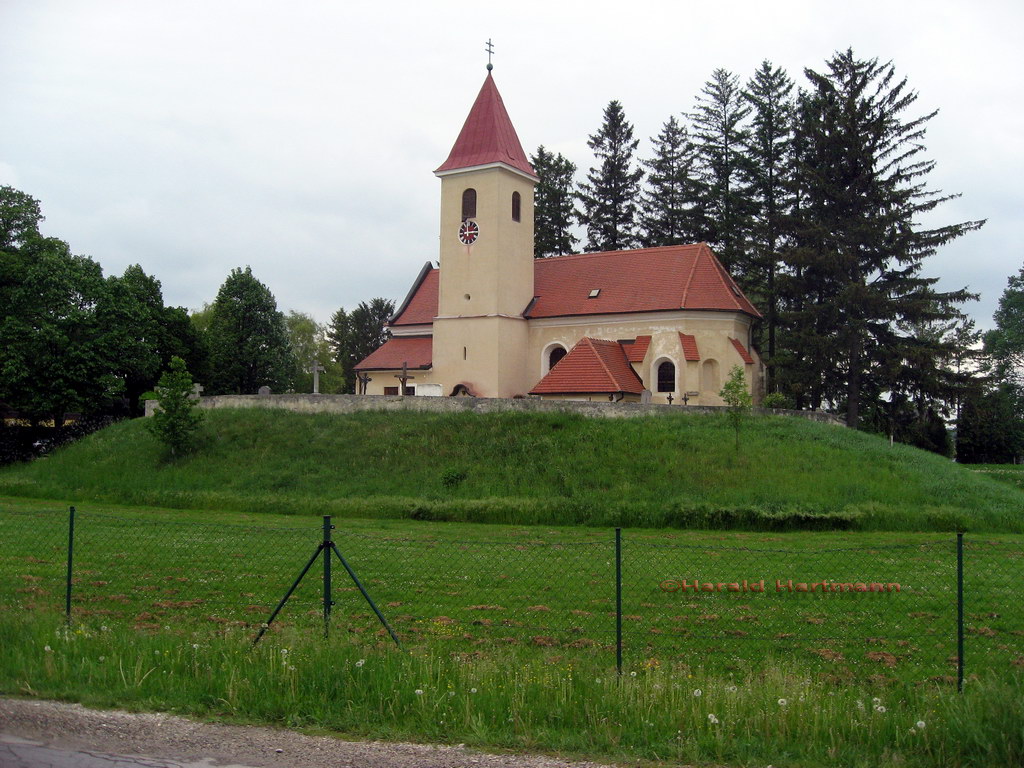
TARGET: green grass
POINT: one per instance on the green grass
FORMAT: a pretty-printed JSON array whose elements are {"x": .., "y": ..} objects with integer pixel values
[
  {"x": 480, "y": 588},
  {"x": 679, "y": 712},
  {"x": 547, "y": 469},
  {"x": 1012, "y": 474}
]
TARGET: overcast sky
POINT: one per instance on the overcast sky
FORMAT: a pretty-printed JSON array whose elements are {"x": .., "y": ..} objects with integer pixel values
[{"x": 299, "y": 138}]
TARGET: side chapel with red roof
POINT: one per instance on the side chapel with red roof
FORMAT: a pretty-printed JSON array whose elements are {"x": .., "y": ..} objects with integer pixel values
[{"x": 665, "y": 324}]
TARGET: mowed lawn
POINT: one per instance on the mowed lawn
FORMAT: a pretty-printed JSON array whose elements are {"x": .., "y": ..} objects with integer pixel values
[{"x": 482, "y": 588}]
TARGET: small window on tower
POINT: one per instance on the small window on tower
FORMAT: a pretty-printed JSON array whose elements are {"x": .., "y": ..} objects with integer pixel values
[
  {"x": 469, "y": 204},
  {"x": 516, "y": 206}
]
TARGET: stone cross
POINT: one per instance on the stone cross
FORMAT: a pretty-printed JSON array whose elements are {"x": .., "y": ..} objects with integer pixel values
[
  {"x": 364, "y": 380},
  {"x": 197, "y": 390},
  {"x": 403, "y": 377},
  {"x": 317, "y": 369}
]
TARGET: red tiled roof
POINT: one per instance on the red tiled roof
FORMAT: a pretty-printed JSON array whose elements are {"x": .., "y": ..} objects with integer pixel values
[
  {"x": 644, "y": 280},
  {"x": 413, "y": 351},
  {"x": 593, "y": 365},
  {"x": 420, "y": 305},
  {"x": 636, "y": 350},
  {"x": 641, "y": 280},
  {"x": 742, "y": 350},
  {"x": 689, "y": 347},
  {"x": 487, "y": 136}
]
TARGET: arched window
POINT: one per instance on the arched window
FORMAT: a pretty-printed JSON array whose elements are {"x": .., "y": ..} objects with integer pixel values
[
  {"x": 469, "y": 204},
  {"x": 667, "y": 377},
  {"x": 709, "y": 377},
  {"x": 516, "y": 206},
  {"x": 556, "y": 354}
]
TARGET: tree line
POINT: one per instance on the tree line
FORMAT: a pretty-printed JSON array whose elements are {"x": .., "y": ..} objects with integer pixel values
[
  {"x": 812, "y": 197},
  {"x": 75, "y": 341}
]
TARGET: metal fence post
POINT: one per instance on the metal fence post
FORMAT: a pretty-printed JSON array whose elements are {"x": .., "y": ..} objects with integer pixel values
[
  {"x": 960, "y": 612},
  {"x": 618, "y": 600},
  {"x": 71, "y": 554},
  {"x": 328, "y": 602}
]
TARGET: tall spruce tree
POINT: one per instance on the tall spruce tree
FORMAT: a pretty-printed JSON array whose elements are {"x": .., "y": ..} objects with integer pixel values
[
  {"x": 554, "y": 206},
  {"x": 768, "y": 179},
  {"x": 354, "y": 335},
  {"x": 609, "y": 196},
  {"x": 720, "y": 137},
  {"x": 669, "y": 199},
  {"x": 859, "y": 249}
]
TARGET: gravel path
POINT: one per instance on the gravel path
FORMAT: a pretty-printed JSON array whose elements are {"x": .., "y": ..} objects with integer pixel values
[{"x": 51, "y": 731}]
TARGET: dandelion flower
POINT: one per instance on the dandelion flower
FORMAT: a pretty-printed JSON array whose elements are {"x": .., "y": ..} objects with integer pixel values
[
  {"x": 920, "y": 725},
  {"x": 860, "y": 705},
  {"x": 48, "y": 649},
  {"x": 698, "y": 693},
  {"x": 103, "y": 658},
  {"x": 597, "y": 680},
  {"x": 284, "y": 651},
  {"x": 472, "y": 690},
  {"x": 195, "y": 646},
  {"x": 632, "y": 674},
  {"x": 876, "y": 700},
  {"x": 451, "y": 693},
  {"x": 712, "y": 719},
  {"x": 783, "y": 702},
  {"x": 880, "y": 709},
  {"x": 360, "y": 662},
  {"x": 104, "y": 628},
  {"x": 731, "y": 688},
  {"x": 419, "y": 691}
]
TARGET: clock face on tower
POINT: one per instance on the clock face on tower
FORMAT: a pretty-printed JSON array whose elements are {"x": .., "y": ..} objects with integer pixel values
[{"x": 469, "y": 231}]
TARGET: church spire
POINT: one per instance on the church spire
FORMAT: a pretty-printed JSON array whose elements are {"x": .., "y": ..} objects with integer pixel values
[{"x": 487, "y": 136}]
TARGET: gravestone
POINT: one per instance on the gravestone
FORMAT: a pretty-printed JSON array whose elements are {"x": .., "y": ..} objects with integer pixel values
[
  {"x": 264, "y": 391},
  {"x": 645, "y": 397}
]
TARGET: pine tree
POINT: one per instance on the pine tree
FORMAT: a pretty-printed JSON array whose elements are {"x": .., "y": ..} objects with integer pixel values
[
  {"x": 768, "y": 179},
  {"x": 720, "y": 138},
  {"x": 554, "y": 206},
  {"x": 858, "y": 250},
  {"x": 668, "y": 203},
  {"x": 1005, "y": 343},
  {"x": 609, "y": 196}
]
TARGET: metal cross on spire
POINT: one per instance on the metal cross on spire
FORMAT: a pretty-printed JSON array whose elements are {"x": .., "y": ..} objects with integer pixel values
[{"x": 490, "y": 51}]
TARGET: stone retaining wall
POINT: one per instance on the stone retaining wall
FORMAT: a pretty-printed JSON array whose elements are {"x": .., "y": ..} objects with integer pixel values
[{"x": 352, "y": 403}]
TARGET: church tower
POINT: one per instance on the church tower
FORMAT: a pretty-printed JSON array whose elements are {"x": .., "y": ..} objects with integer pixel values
[{"x": 486, "y": 256}]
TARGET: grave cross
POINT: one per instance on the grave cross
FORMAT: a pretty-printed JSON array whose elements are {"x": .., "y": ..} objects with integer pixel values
[
  {"x": 364, "y": 380},
  {"x": 670, "y": 398},
  {"x": 686, "y": 398},
  {"x": 403, "y": 377},
  {"x": 317, "y": 369},
  {"x": 197, "y": 390}
]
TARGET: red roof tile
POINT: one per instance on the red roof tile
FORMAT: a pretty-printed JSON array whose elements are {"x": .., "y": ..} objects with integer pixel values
[
  {"x": 592, "y": 366},
  {"x": 413, "y": 351},
  {"x": 642, "y": 280},
  {"x": 487, "y": 136},
  {"x": 420, "y": 306},
  {"x": 689, "y": 347},
  {"x": 636, "y": 350},
  {"x": 742, "y": 350}
]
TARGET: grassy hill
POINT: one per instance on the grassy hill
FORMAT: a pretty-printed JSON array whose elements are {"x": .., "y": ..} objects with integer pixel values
[{"x": 681, "y": 471}]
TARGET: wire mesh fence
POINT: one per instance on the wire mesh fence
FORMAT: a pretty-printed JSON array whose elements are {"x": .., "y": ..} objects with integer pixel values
[{"x": 849, "y": 608}]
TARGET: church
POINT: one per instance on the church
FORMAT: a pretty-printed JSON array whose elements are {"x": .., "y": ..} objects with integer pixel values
[{"x": 661, "y": 325}]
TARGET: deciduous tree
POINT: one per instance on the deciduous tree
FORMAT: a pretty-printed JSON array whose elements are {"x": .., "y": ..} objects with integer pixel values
[{"x": 248, "y": 338}]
